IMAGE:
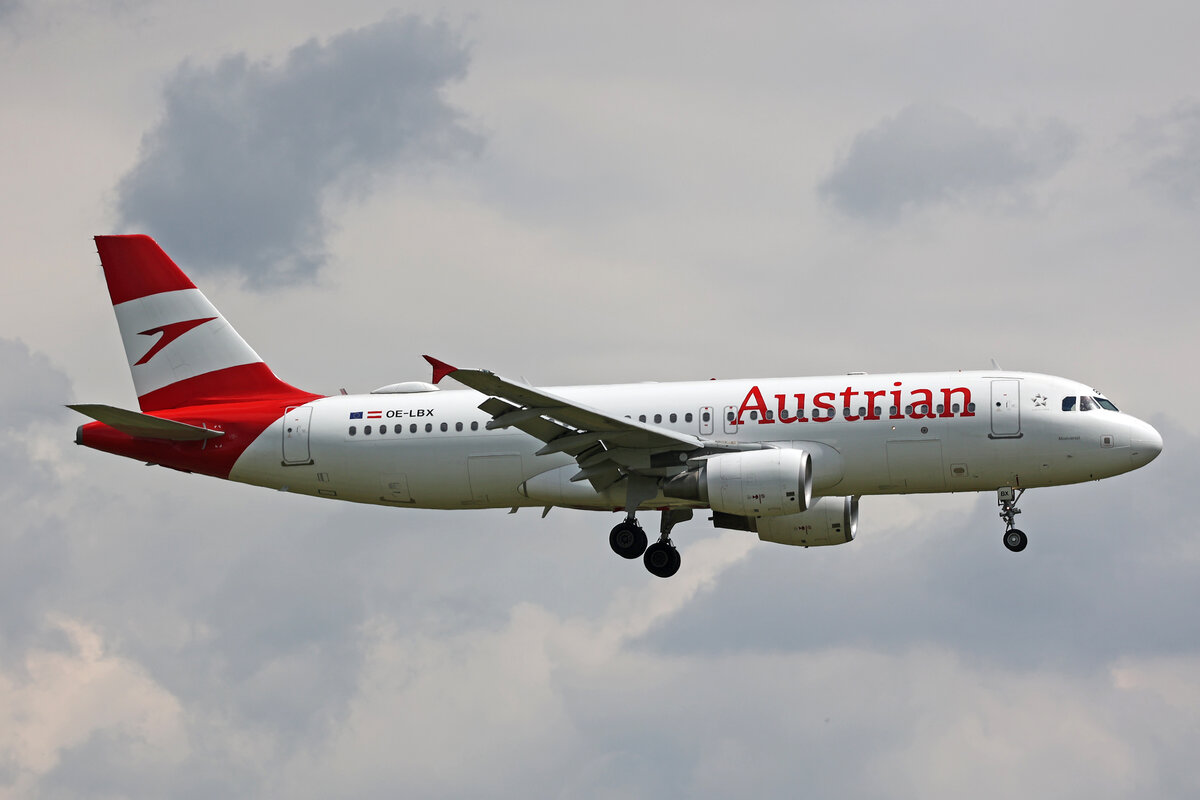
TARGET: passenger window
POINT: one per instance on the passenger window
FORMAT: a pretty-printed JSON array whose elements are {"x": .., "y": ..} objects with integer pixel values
[
  {"x": 382, "y": 429},
  {"x": 707, "y": 417},
  {"x": 729, "y": 416},
  {"x": 445, "y": 427},
  {"x": 641, "y": 417},
  {"x": 1069, "y": 404},
  {"x": 941, "y": 409},
  {"x": 429, "y": 427},
  {"x": 353, "y": 430},
  {"x": 688, "y": 417},
  {"x": 971, "y": 407},
  {"x": 399, "y": 429},
  {"x": 458, "y": 426},
  {"x": 955, "y": 408},
  {"x": 674, "y": 417},
  {"x": 366, "y": 430},
  {"x": 412, "y": 428},
  {"x": 474, "y": 426},
  {"x": 657, "y": 418}
]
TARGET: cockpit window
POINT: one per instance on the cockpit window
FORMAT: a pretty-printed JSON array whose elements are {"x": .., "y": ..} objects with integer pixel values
[
  {"x": 1087, "y": 404},
  {"x": 1106, "y": 404},
  {"x": 1069, "y": 403}
]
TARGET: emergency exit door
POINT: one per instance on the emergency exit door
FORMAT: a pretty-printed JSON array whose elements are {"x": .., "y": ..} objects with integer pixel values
[{"x": 295, "y": 435}]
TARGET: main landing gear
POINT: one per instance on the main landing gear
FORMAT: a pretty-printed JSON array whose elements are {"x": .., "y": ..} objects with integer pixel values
[
  {"x": 1014, "y": 538},
  {"x": 628, "y": 540}
]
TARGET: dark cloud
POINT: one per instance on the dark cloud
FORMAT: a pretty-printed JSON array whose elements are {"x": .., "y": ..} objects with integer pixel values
[
  {"x": 1173, "y": 141},
  {"x": 931, "y": 154},
  {"x": 32, "y": 393},
  {"x": 33, "y": 389},
  {"x": 9, "y": 9},
  {"x": 1103, "y": 577},
  {"x": 234, "y": 176}
]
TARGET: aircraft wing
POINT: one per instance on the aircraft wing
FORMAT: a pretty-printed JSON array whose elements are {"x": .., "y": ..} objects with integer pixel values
[{"x": 606, "y": 447}]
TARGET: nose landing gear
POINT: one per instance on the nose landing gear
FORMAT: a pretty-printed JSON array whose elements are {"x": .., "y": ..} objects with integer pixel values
[{"x": 1014, "y": 538}]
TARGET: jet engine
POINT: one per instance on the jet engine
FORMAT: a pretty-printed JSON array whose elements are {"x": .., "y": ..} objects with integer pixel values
[
  {"x": 831, "y": 520},
  {"x": 756, "y": 483}
]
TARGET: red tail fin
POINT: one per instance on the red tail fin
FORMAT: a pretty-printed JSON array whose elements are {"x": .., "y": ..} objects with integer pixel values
[{"x": 181, "y": 351}]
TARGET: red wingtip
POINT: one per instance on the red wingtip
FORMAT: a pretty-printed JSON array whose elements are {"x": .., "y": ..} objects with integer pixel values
[{"x": 440, "y": 368}]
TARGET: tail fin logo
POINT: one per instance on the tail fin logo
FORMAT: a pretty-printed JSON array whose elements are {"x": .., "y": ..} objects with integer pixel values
[{"x": 170, "y": 333}]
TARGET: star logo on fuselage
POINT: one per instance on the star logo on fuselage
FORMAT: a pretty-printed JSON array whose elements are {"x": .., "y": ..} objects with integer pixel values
[
  {"x": 170, "y": 333},
  {"x": 1039, "y": 400}
]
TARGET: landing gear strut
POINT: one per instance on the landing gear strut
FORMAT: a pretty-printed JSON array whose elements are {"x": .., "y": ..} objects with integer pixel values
[
  {"x": 628, "y": 540},
  {"x": 1014, "y": 538},
  {"x": 662, "y": 559}
]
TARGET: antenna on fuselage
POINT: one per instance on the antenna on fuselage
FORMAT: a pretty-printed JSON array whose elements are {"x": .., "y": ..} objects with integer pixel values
[{"x": 996, "y": 366}]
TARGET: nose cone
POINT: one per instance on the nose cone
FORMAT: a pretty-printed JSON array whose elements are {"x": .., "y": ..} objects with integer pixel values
[{"x": 1144, "y": 443}]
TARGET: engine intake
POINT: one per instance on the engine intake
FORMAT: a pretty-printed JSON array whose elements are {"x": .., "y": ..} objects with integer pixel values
[{"x": 757, "y": 483}]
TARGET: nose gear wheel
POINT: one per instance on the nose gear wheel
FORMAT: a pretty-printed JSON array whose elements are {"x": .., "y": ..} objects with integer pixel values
[{"x": 1014, "y": 538}]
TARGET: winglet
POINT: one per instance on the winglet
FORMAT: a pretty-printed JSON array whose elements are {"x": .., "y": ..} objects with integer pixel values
[{"x": 440, "y": 368}]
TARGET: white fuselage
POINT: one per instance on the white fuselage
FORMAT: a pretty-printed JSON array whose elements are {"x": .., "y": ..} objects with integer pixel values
[{"x": 867, "y": 434}]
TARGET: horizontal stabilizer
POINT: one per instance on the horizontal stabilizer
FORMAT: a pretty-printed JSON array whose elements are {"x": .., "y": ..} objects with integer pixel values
[{"x": 144, "y": 426}]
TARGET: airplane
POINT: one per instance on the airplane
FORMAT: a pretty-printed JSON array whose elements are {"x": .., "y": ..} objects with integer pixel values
[{"x": 785, "y": 458}]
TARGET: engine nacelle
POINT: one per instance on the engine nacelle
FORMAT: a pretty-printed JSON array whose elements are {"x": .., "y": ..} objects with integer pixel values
[
  {"x": 831, "y": 520},
  {"x": 756, "y": 483}
]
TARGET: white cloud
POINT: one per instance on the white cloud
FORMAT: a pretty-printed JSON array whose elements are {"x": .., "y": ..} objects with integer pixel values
[{"x": 57, "y": 700}]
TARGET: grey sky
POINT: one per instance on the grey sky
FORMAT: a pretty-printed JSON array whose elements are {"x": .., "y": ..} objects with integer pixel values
[
  {"x": 1173, "y": 142},
  {"x": 561, "y": 194}
]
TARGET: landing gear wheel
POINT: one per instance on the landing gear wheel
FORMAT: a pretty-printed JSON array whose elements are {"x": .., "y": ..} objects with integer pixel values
[
  {"x": 1015, "y": 540},
  {"x": 628, "y": 540},
  {"x": 662, "y": 559}
]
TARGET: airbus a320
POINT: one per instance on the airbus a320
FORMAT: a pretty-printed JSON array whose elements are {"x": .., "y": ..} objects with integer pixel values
[{"x": 785, "y": 458}]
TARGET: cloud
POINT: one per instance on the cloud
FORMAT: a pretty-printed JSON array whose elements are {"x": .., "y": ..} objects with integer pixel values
[
  {"x": 9, "y": 9},
  {"x": 1173, "y": 142},
  {"x": 931, "y": 154},
  {"x": 67, "y": 699},
  {"x": 33, "y": 389},
  {"x": 234, "y": 175},
  {"x": 1090, "y": 588}
]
